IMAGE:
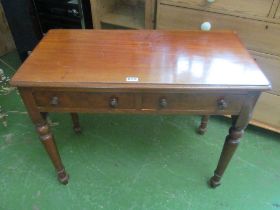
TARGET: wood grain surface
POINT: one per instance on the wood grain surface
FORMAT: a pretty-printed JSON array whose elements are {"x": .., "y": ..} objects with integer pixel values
[{"x": 157, "y": 59}]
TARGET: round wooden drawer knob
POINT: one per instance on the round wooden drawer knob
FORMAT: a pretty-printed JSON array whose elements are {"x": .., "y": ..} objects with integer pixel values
[
  {"x": 113, "y": 102},
  {"x": 54, "y": 101},
  {"x": 206, "y": 26},
  {"x": 163, "y": 102},
  {"x": 222, "y": 104}
]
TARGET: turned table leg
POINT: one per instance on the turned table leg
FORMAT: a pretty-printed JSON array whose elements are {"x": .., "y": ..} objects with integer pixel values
[
  {"x": 47, "y": 140},
  {"x": 239, "y": 123},
  {"x": 230, "y": 145},
  {"x": 45, "y": 134},
  {"x": 76, "y": 123},
  {"x": 203, "y": 124}
]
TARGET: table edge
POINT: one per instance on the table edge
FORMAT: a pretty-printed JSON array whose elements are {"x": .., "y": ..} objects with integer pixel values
[{"x": 87, "y": 85}]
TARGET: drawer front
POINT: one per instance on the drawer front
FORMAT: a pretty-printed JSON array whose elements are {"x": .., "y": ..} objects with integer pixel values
[
  {"x": 256, "y": 35},
  {"x": 271, "y": 68},
  {"x": 209, "y": 103},
  {"x": 84, "y": 100},
  {"x": 259, "y": 8},
  {"x": 170, "y": 102}
]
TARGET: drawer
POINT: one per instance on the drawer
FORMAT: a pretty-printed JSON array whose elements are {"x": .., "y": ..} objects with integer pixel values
[
  {"x": 209, "y": 103},
  {"x": 256, "y": 35},
  {"x": 84, "y": 100},
  {"x": 271, "y": 68},
  {"x": 259, "y": 8}
]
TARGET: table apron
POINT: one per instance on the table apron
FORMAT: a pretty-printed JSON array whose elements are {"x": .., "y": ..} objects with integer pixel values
[{"x": 129, "y": 102}]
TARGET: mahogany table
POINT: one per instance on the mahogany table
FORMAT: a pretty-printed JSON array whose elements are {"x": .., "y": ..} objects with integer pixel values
[{"x": 140, "y": 71}]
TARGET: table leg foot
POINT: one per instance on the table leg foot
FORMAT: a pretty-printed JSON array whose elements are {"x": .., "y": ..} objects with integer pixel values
[
  {"x": 77, "y": 130},
  {"x": 203, "y": 125},
  {"x": 62, "y": 176},
  {"x": 76, "y": 123},
  {"x": 214, "y": 182},
  {"x": 201, "y": 131}
]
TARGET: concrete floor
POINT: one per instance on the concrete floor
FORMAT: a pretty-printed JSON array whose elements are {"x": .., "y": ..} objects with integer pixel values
[{"x": 132, "y": 162}]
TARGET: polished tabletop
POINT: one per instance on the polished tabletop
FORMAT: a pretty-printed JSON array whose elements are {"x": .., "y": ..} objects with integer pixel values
[{"x": 140, "y": 59}]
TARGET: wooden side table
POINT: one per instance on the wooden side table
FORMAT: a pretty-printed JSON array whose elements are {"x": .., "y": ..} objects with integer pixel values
[{"x": 163, "y": 72}]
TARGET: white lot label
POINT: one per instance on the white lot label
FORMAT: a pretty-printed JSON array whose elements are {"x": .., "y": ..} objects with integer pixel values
[{"x": 132, "y": 79}]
